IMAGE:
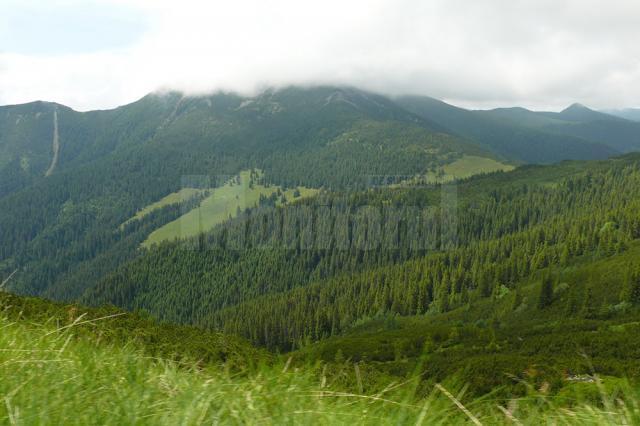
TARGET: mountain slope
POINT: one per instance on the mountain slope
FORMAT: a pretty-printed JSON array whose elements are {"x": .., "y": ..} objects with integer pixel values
[
  {"x": 306, "y": 275},
  {"x": 47, "y": 365},
  {"x": 580, "y": 113},
  {"x": 577, "y": 121},
  {"x": 495, "y": 342},
  {"x": 510, "y": 139},
  {"x": 627, "y": 113},
  {"x": 536, "y": 267},
  {"x": 27, "y": 134},
  {"x": 62, "y": 232}
]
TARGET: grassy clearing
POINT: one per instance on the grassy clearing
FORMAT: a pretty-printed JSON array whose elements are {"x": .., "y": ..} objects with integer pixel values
[
  {"x": 174, "y": 198},
  {"x": 50, "y": 376},
  {"x": 470, "y": 165},
  {"x": 222, "y": 204},
  {"x": 464, "y": 167}
]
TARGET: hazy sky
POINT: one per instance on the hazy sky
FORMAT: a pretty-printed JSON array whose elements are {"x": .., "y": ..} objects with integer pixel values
[{"x": 476, "y": 53}]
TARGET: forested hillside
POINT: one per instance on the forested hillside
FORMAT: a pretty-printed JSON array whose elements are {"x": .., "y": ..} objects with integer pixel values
[
  {"x": 60, "y": 226},
  {"x": 531, "y": 277},
  {"x": 317, "y": 267},
  {"x": 576, "y": 121},
  {"x": 534, "y": 137},
  {"x": 557, "y": 328},
  {"x": 341, "y": 227},
  {"x": 69, "y": 180}
]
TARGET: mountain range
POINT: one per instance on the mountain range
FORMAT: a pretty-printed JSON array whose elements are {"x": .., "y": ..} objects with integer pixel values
[
  {"x": 383, "y": 239},
  {"x": 628, "y": 113},
  {"x": 264, "y": 125},
  {"x": 68, "y": 178}
]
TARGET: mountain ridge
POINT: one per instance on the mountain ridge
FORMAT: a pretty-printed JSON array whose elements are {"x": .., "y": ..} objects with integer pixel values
[
  {"x": 114, "y": 163},
  {"x": 511, "y": 138}
]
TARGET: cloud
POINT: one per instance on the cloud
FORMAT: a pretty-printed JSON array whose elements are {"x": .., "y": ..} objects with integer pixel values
[{"x": 543, "y": 54}]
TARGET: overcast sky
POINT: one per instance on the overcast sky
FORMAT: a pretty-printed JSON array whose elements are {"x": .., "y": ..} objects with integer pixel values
[{"x": 542, "y": 54}]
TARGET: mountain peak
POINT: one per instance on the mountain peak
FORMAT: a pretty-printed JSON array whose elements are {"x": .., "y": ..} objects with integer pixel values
[
  {"x": 580, "y": 113},
  {"x": 576, "y": 107}
]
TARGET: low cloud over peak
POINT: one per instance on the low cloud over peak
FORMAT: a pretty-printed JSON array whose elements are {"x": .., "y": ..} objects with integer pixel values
[{"x": 545, "y": 54}]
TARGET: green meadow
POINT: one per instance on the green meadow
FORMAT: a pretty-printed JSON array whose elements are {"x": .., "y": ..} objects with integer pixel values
[
  {"x": 222, "y": 204},
  {"x": 470, "y": 165},
  {"x": 462, "y": 168},
  {"x": 239, "y": 193},
  {"x": 173, "y": 198}
]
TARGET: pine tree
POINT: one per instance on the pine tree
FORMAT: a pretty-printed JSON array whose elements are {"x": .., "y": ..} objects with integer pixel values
[
  {"x": 485, "y": 286},
  {"x": 517, "y": 300},
  {"x": 631, "y": 287},
  {"x": 572, "y": 301},
  {"x": 564, "y": 256},
  {"x": 588, "y": 308},
  {"x": 546, "y": 293}
]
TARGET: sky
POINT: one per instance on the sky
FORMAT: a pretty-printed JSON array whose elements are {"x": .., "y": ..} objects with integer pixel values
[{"x": 540, "y": 54}]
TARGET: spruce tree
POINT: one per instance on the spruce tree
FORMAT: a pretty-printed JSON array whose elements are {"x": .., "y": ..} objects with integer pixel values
[
  {"x": 588, "y": 308},
  {"x": 572, "y": 301},
  {"x": 631, "y": 287},
  {"x": 546, "y": 293},
  {"x": 517, "y": 300}
]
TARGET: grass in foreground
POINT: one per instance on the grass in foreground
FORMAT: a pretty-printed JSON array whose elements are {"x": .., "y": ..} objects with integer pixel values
[{"x": 50, "y": 376}]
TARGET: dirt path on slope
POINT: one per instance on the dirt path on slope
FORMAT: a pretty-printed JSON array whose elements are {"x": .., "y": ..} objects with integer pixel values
[{"x": 56, "y": 144}]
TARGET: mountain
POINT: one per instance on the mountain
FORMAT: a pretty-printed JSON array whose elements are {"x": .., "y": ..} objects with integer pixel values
[
  {"x": 72, "y": 182},
  {"x": 28, "y": 153},
  {"x": 61, "y": 226},
  {"x": 255, "y": 129},
  {"x": 509, "y": 132},
  {"x": 535, "y": 268},
  {"x": 580, "y": 113},
  {"x": 627, "y": 113},
  {"x": 576, "y": 121},
  {"x": 369, "y": 240},
  {"x": 309, "y": 280},
  {"x": 26, "y": 143}
]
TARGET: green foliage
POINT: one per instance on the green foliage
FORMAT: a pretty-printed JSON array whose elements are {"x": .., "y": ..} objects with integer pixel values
[
  {"x": 546, "y": 293},
  {"x": 279, "y": 291},
  {"x": 631, "y": 290},
  {"x": 46, "y": 368},
  {"x": 512, "y": 346},
  {"x": 450, "y": 292},
  {"x": 109, "y": 325},
  {"x": 60, "y": 230},
  {"x": 216, "y": 208},
  {"x": 527, "y": 136}
]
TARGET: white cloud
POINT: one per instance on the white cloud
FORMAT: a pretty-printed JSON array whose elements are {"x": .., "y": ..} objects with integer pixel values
[{"x": 540, "y": 54}]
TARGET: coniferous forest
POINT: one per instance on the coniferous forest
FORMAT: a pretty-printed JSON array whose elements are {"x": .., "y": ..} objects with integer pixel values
[{"x": 360, "y": 239}]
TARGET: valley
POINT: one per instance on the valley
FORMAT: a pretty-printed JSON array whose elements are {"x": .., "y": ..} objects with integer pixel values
[
  {"x": 355, "y": 239},
  {"x": 319, "y": 213}
]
